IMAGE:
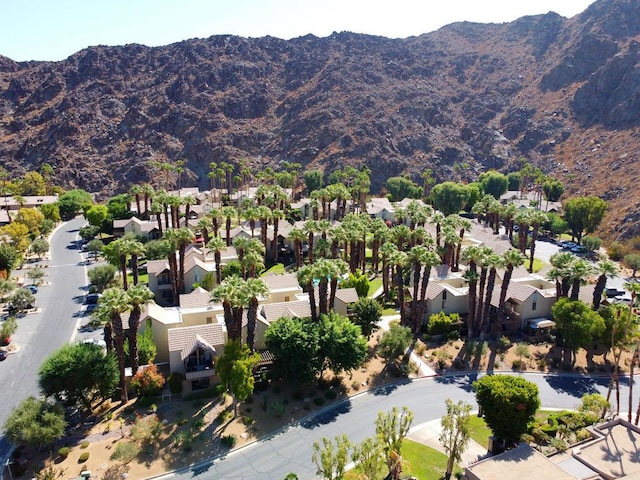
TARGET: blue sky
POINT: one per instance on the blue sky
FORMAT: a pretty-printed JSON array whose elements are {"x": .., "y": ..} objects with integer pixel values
[{"x": 55, "y": 29}]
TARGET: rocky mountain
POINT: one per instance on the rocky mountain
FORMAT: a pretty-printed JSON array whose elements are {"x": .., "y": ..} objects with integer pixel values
[{"x": 563, "y": 93}]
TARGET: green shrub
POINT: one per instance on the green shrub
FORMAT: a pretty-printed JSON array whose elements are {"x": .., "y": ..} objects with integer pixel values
[
  {"x": 183, "y": 439},
  {"x": 126, "y": 451},
  {"x": 84, "y": 456},
  {"x": 503, "y": 344},
  {"x": 223, "y": 416},
  {"x": 518, "y": 364},
  {"x": 439, "y": 324},
  {"x": 276, "y": 409},
  {"x": 63, "y": 452},
  {"x": 175, "y": 383},
  {"x": 84, "y": 444},
  {"x": 228, "y": 441},
  {"x": 197, "y": 424},
  {"x": 247, "y": 420},
  {"x": 319, "y": 401}
]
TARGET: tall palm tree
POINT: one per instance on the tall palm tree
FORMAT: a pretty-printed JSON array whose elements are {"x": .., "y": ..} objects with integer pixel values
[
  {"x": 156, "y": 209},
  {"x": 560, "y": 263},
  {"x": 472, "y": 256},
  {"x": 217, "y": 244},
  {"x": 398, "y": 260},
  {"x": 228, "y": 213},
  {"x": 493, "y": 262},
  {"x": 379, "y": 229},
  {"x": 138, "y": 296},
  {"x": 537, "y": 219},
  {"x": 117, "y": 253},
  {"x": 232, "y": 295},
  {"x": 298, "y": 237},
  {"x": 386, "y": 252},
  {"x": 254, "y": 290},
  {"x": 510, "y": 259},
  {"x": 147, "y": 193},
  {"x": 187, "y": 201},
  {"x": 203, "y": 229},
  {"x": 578, "y": 272},
  {"x": 422, "y": 259},
  {"x": 310, "y": 227},
  {"x": 607, "y": 269},
  {"x": 305, "y": 275},
  {"x": 338, "y": 269},
  {"x": 276, "y": 216},
  {"x": 523, "y": 220},
  {"x": 180, "y": 237},
  {"x": 116, "y": 302},
  {"x": 136, "y": 191}
]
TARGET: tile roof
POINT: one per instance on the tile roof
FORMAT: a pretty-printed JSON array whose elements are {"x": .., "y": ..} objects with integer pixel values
[
  {"x": 186, "y": 339},
  {"x": 347, "y": 295},
  {"x": 280, "y": 282},
  {"x": 295, "y": 309},
  {"x": 196, "y": 299}
]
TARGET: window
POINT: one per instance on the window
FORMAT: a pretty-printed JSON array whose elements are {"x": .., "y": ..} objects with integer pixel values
[
  {"x": 209, "y": 320},
  {"x": 444, "y": 295},
  {"x": 534, "y": 305}
]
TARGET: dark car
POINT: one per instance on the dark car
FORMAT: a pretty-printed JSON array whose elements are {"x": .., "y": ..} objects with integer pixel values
[
  {"x": 3, "y": 354},
  {"x": 32, "y": 288},
  {"x": 92, "y": 298}
]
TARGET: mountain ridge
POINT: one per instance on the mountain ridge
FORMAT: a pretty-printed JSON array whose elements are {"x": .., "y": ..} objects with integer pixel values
[{"x": 563, "y": 93}]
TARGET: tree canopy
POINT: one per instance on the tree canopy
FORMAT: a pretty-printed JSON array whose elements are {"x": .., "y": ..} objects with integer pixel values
[
  {"x": 450, "y": 197},
  {"x": 402, "y": 187},
  {"x": 577, "y": 323},
  {"x": 74, "y": 201},
  {"x": 79, "y": 374},
  {"x": 584, "y": 214},
  {"x": 35, "y": 423},
  {"x": 508, "y": 404},
  {"x": 494, "y": 183}
]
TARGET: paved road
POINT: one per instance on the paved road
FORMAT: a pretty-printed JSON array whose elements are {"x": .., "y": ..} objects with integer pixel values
[
  {"x": 290, "y": 450},
  {"x": 54, "y": 325}
]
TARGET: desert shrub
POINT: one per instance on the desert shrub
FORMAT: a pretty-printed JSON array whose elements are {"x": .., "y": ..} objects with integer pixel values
[
  {"x": 175, "y": 383},
  {"x": 319, "y": 401},
  {"x": 182, "y": 421},
  {"x": 355, "y": 385},
  {"x": 146, "y": 429},
  {"x": 276, "y": 409},
  {"x": 125, "y": 451},
  {"x": 518, "y": 364},
  {"x": 183, "y": 440},
  {"x": 458, "y": 363},
  {"x": 197, "y": 424},
  {"x": 522, "y": 350},
  {"x": 63, "y": 452},
  {"x": 503, "y": 344},
  {"x": 559, "y": 444},
  {"x": 542, "y": 364},
  {"x": 228, "y": 441},
  {"x": 223, "y": 416},
  {"x": 582, "y": 435},
  {"x": 84, "y": 444},
  {"x": 84, "y": 456},
  {"x": 247, "y": 420},
  {"x": 441, "y": 358}
]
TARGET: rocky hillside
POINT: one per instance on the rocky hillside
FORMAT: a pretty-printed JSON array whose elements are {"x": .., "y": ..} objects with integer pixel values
[{"x": 564, "y": 93}]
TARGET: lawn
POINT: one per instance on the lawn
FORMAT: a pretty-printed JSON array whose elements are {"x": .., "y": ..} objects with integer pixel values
[
  {"x": 480, "y": 433},
  {"x": 537, "y": 265},
  {"x": 374, "y": 285},
  {"x": 143, "y": 279},
  {"x": 419, "y": 461},
  {"x": 278, "y": 268}
]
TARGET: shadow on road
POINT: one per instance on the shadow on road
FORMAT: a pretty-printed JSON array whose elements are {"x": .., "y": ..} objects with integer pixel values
[
  {"x": 462, "y": 381},
  {"x": 327, "y": 416},
  {"x": 390, "y": 388},
  {"x": 579, "y": 386}
]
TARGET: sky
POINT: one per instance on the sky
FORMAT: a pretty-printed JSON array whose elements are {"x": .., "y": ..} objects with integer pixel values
[{"x": 55, "y": 29}]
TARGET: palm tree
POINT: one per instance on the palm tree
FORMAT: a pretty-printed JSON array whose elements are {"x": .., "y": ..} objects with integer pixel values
[
  {"x": 147, "y": 192},
  {"x": 386, "y": 251},
  {"x": 607, "y": 269},
  {"x": 422, "y": 258},
  {"x": 264, "y": 214},
  {"x": 379, "y": 229},
  {"x": 510, "y": 259},
  {"x": 472, "y": 256},
  {"x": 398, "y": 260},
  {"x": 115, "y": 301},
  {"x": 578, "y": 272},
  {"x": 187, "y": 201},
  {"x": 522, "y": 219},
  {"x": 233, "y": 297},
  {"x": 228, "y": 213},
  {"x": 254, "y": 290},
  {"x": 310, "y": 226},
  {"x": 560, "y": 263},
  {"x": 138, "y": 296},
  {"x": 136, "y": 190},
  {"x": 180, "y": 237},
  {"x": 537, "y": 219},
  {"x": 305, "y": 275},
  {"x": 276, "y": 216},
  {"x": 338, "y": 269},
  {"x": 493, "y": 262},
  {"x": 156, "y": 209},
  {"x": 217, "y": 244},
  {"x": 117, "y": 253},
  {"x": 203, "y": 229},
  {"x": 298, "y": 236}
]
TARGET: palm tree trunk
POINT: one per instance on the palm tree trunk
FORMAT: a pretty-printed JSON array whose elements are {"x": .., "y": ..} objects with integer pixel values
[
  {"x": 116, "y": 322},
  {"x": 123, "y": 271},
  {"x": 400, "y": 286},
  {"x": 134, "y": 324},
  {"x": 218, "y": 260},
  {"x": 503, "y": 296},
  {"x": 252, "y": 314},
  {"x": 322, "y": 294},
  {"x": 134, "y": 268},
  {"x": 597, "y": 293},
  {"x": 332, "y": 292},
  {"x": 312, "y": 301},
  {"x": 487, "y": 302}
]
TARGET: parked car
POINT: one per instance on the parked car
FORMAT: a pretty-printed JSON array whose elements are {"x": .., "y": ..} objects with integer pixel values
[
  {"x": 567, "y": 245},
  {"x": 626, "y": 299},
  {"x": 3, "y": 354},
  {"x": 611, "y": 292},
  {"x": 92, "y": 298},
  {"x": 32, "y": 288}
]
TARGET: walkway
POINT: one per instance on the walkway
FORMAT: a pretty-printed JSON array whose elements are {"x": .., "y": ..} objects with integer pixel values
[{"x": 424, "y": 370}]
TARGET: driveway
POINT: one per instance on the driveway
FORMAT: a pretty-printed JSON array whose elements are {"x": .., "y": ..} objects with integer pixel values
[
  {"x": 290, "y": 450},
  {"x": 41, "y": 333}
]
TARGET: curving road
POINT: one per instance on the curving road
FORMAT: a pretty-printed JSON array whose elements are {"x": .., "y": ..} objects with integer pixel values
[
  {"x": 54, "y": 325},
  {"x": 290, "y": 450}
]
